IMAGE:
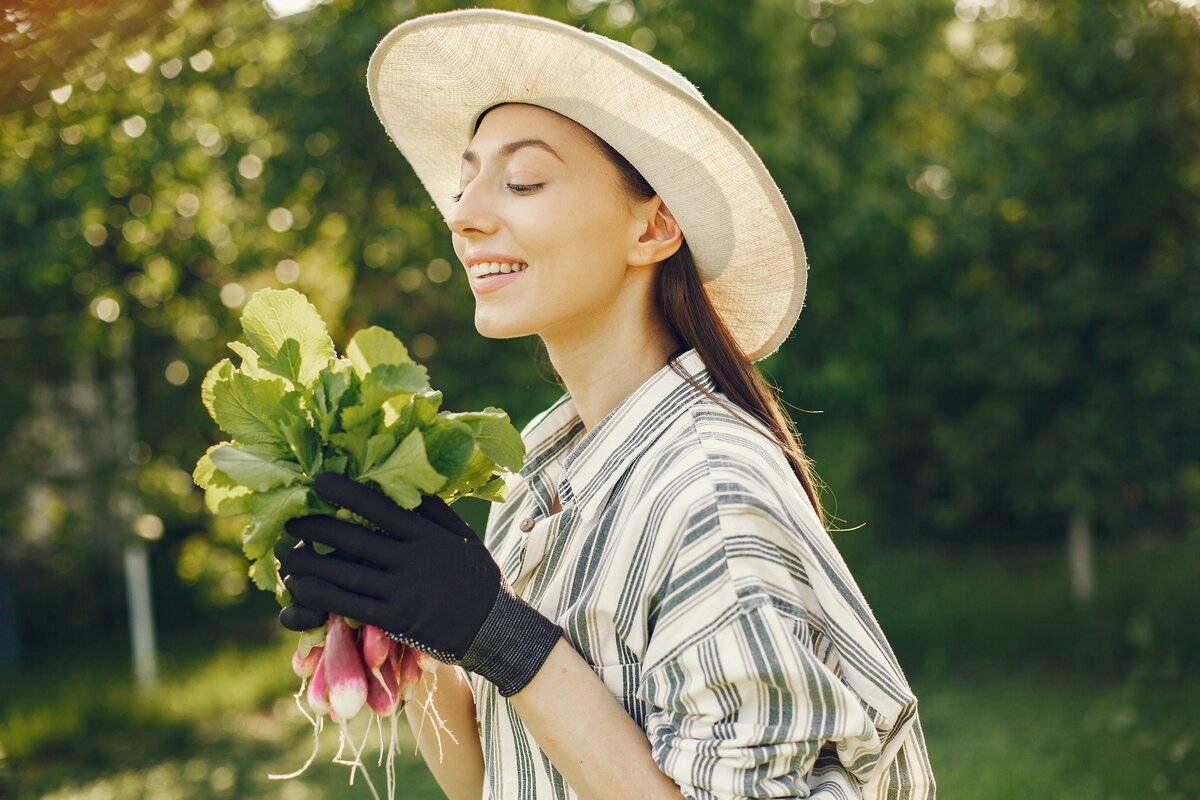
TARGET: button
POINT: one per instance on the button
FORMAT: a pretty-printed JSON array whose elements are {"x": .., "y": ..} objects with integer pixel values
[{"x": 527, "y": 524}]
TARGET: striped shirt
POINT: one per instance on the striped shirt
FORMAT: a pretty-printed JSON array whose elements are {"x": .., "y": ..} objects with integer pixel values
[{"x": 689, "y": 568}]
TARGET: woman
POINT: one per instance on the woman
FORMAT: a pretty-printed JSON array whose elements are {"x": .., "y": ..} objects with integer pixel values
[{"x": 656, "y": 611}]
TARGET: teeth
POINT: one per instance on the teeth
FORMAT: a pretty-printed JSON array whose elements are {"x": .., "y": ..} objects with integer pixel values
[{"x": 494, "y": 267}]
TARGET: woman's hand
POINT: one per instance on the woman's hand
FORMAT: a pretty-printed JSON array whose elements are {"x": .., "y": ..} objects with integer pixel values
[{"x": 424, "y": 577}]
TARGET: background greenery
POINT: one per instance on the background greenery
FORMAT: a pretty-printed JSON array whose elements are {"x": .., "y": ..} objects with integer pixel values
[{"x": 1000, "y": 200}]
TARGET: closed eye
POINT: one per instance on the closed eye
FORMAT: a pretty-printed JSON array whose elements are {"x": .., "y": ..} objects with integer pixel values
[{"x": 519, "y": 188}]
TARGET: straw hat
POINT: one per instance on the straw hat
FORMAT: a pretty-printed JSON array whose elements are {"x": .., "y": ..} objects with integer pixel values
[{"x": 431, "y": 77}]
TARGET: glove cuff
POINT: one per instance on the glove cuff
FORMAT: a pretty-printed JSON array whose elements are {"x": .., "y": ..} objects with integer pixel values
[{"x": 512, "y": 644}]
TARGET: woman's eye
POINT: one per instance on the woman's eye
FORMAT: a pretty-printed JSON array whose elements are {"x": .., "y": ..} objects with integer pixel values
[{"x": 519, "y": 188}]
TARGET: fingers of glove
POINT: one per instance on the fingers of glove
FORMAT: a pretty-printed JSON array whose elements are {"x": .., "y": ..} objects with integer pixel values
[
  {"x": 322, "y": 594},
  {"x": 435, "y": 509},
  {"x": 370, "y": 504},
  {"x": 296, "y": 617},
  {"x": 355, "y": 540},
  {"x": 285, "y": 565},
  {"x": 343, "y": 572}
]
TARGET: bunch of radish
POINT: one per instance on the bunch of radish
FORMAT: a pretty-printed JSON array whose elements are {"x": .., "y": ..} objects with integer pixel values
[{"x": 356, "y": 667}]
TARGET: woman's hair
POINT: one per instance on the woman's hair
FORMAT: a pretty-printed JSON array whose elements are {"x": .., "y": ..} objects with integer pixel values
[{"x": 682, "y": 302}]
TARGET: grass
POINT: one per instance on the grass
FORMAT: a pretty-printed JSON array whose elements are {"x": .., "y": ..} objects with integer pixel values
[
  {"x": 217, "y": 725},
  {"x": 1054, "y": 737}
]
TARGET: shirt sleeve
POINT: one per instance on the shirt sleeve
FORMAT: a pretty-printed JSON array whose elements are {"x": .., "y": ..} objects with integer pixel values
[
  {"x": 747, "y": 711},
  {"x": 766, "y": 675}
]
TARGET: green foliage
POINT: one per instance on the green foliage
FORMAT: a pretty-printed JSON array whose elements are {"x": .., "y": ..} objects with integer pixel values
[{"x": 295, "y": 410}]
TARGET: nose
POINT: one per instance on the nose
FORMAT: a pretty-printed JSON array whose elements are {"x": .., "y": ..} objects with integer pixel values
[{"x": 470, "y": 215}]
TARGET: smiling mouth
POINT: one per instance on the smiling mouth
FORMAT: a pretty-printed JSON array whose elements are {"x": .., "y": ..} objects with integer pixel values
[{"x": 486, "y": 268}]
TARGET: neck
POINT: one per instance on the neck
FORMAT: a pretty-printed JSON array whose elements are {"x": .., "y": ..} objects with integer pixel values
[{"x": 605, "y": 362}]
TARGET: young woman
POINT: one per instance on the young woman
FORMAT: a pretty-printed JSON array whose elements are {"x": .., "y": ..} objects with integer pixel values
[{"x": 657, "y": 610}]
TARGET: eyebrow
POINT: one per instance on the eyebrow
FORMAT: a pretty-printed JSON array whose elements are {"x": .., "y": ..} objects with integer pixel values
[{"x": 507, "y": 150}]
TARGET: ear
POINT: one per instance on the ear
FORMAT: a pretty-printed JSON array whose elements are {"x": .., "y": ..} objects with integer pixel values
[{"x": 659, "y": 236}]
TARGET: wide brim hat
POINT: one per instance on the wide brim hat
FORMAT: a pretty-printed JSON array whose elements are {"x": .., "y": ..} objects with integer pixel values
[{"x": 431, "y": 77}]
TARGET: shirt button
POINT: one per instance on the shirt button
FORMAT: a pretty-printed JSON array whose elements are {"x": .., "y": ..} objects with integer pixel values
[{"x": 527, "y": 524}]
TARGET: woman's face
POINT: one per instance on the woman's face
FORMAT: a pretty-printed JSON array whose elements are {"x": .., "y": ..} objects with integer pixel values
[{"x": 558, "y": 209}]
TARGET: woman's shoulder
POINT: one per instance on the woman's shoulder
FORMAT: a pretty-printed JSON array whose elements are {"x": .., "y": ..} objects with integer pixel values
[{"x": 720, "y": 456}]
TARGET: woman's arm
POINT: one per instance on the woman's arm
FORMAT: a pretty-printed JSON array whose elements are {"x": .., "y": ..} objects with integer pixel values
[
  {"x": 587, "y": 734},
  {"x": 458, "y": 768}
]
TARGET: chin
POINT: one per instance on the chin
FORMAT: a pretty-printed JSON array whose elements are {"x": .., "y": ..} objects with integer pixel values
[{"x": 501, "y": 328}]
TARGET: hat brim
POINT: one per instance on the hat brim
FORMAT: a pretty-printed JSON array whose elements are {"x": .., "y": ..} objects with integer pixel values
[{"x": 431, "y": 77}]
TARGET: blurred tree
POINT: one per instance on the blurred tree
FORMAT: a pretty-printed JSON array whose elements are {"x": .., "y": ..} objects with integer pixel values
[{"x": 1049, "y": 368}]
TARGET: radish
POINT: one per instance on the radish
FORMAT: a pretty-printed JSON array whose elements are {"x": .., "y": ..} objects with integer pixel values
[
  {"x": 318, "y": 696},
  {"x": 305, "y": 666},
  {"x": 375, "y": 646},
  {"x": 409, "y": 671},
  {"x": 345, "y": 674},
  {"x": 382, "y": 691}
]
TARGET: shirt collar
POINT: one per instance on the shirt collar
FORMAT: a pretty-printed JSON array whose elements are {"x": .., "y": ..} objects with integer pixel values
[{"x": 585, "y": 465}]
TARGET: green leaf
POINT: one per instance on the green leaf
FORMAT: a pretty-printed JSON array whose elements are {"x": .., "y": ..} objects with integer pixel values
[
  {"x": 420, "y": 411},
  {"x": 379, "y": 447},
  {"x": 495, "y": 435},
  {"x": 336, "y": 464},
  {"x": 289, "y": 335},
  {"x": 372, "y": 347},
  {"x": 449, "y": 446},
  {"x": 220, "y": 371},
  {"x": 222, "y": 496},
  {"x": 387, "y": 388},
  {"x": 479, "y": 470},
  {"x": 265, "y": 574},
  {"x": 268, "y": 512},
  {"x": 256, "y": 466},
  {"x": 311, "y": 638},
  {"x": 249, "y": 409},
  {"x": 304, "y": 444},
  {"x": 250, "y": 364},
  {"x": 323, "y": 399},
  {"x": 496, "y": 490},
  {"x": 354, "y": 443},
  {"x": 407, "y": 473}
]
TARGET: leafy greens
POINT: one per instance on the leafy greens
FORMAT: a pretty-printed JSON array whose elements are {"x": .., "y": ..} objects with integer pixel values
[{"x": 295, "y": 409}]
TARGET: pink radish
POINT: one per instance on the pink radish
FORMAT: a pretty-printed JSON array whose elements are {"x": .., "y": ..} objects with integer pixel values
[
  {"x": 382, "y": 691},
  {"x": 375, "y": 646},
  {"x": 318, "y": 697},
  {"x": 304, "y": 667},
  {"x": 379, "y": 656},
  {"x": 345, "y": 674},
  {"x": 408, "y": 670}
]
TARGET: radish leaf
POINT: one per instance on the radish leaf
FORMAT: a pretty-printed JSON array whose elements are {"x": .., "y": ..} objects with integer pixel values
[
  {"x": 268, "y": 512},
  {"x": 407, "y": 473},
  {"x": 246, "y": 408},
  {"x": 256, "y": 466},
  {"x": 288, "y": 334},
  {"x": 495, "y": 435},
  {"x": 373, "y": 347}
]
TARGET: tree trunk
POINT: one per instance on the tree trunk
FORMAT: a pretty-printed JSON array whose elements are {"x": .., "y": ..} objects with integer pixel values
[{"x": 1081, "y": 559}]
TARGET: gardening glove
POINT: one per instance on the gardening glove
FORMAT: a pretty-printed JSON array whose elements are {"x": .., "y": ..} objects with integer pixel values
[{"x": 423, "y": 577}]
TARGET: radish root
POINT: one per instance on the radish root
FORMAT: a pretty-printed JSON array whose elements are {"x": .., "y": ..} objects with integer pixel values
[{"x": 316, "y": 726}]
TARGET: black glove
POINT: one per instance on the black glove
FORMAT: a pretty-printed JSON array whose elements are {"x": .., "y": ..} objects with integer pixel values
[{"x": 424, "y": 578}]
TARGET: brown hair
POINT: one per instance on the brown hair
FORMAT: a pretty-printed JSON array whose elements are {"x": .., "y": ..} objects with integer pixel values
[{"x": 681, "y": 301}]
